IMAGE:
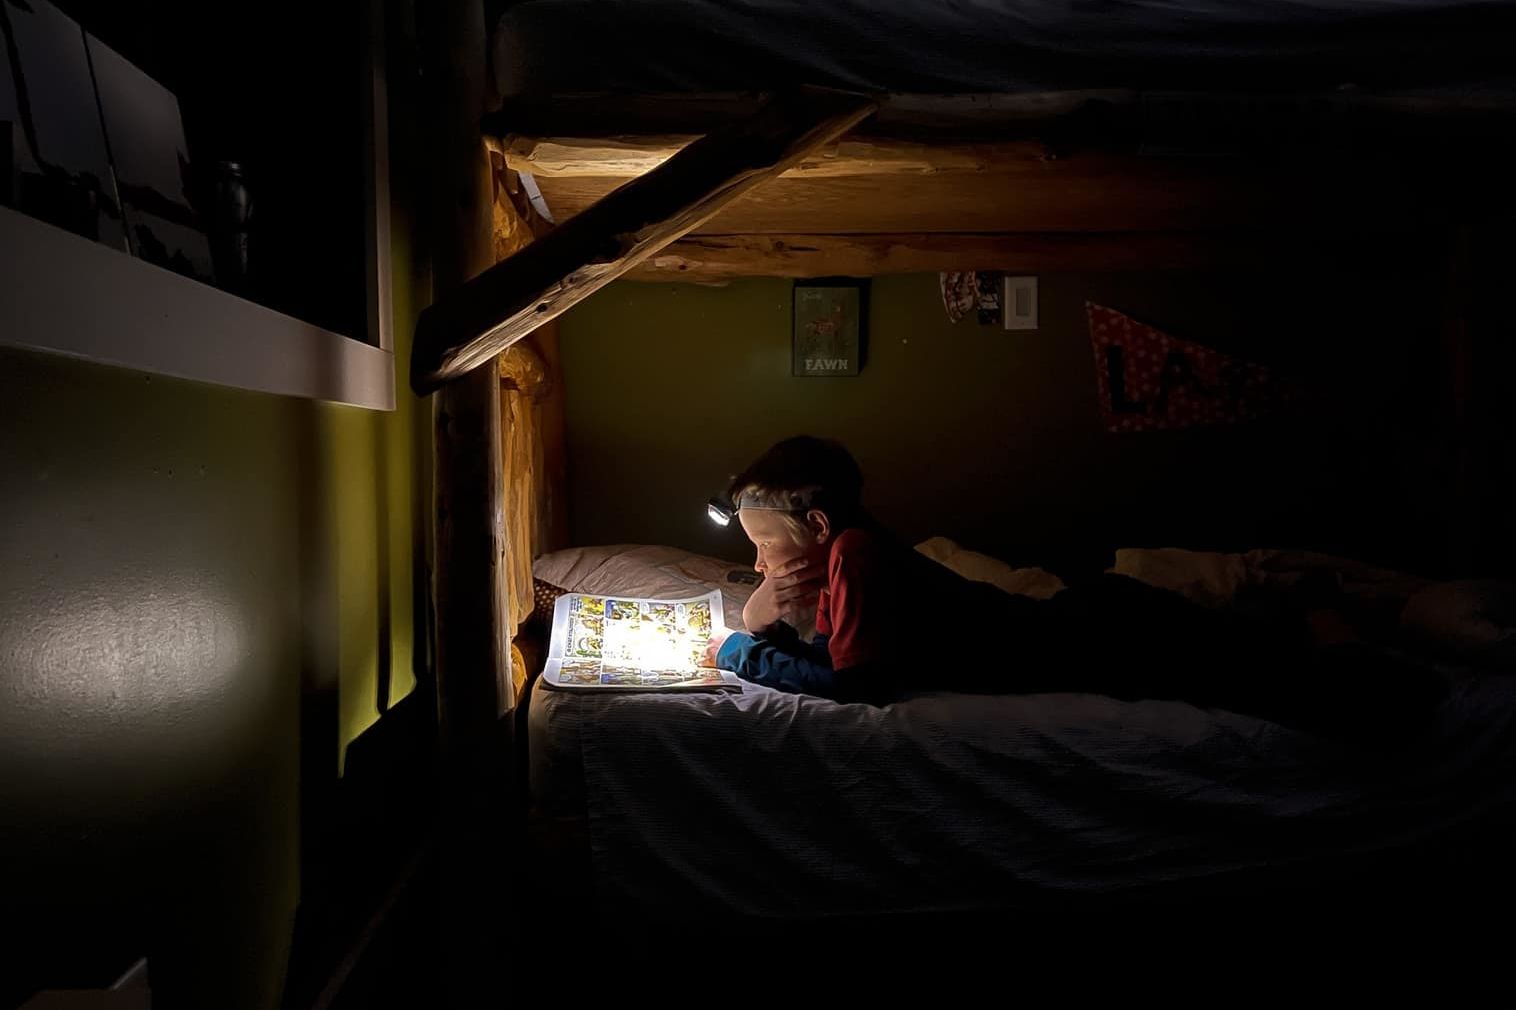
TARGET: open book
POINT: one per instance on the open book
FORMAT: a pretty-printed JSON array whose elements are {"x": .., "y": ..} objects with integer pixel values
[{"x": 617, "y": 643}]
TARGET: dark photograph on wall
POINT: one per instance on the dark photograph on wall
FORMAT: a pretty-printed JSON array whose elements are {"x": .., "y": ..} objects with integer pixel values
[
  {"x": 829, "y": 328},
  {"x": 56, "y": 160},
  {"x": 145, "y": 133}
]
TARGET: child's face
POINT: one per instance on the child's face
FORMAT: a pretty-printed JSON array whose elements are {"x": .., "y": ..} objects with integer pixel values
[{"x": 774, "y": 540}]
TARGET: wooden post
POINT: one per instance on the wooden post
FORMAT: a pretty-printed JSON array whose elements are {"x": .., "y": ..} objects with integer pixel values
[
  {"x": 473, "y": 648},
  {"x": 473, "y": 658},
  {"x": 567, "y": 157},
  {"x": 552, "y": 507}
]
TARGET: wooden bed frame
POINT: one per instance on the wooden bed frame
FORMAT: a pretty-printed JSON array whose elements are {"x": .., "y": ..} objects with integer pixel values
[{"x": 557, "y": 197}]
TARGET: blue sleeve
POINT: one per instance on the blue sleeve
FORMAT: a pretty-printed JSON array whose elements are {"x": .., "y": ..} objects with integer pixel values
[{"x": 787, "y": 664}]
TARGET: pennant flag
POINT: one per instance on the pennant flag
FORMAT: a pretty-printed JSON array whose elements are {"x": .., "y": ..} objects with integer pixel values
[{"x": 1150, "y": 381}]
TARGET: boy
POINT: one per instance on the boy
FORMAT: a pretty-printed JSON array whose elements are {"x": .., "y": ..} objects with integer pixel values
[{"x": 876, "y": 603}]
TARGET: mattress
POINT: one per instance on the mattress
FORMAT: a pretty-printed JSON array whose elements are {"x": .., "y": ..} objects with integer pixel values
[
  {"x": 780, "y": 806},
  {"x": 774, "y": 805},
  {"x": 1006, "y": 46}
]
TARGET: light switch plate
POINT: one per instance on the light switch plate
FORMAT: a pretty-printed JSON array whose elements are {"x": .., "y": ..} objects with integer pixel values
[{"x": 1020, "y": 303}]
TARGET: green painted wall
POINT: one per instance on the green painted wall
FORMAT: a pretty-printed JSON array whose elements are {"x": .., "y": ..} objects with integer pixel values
[
  {"x": 150, "y": 666},
  {"x": 989, "y": 437},
  {"x": 377, "y": 474},
  {"x": 182, "y": 568}
]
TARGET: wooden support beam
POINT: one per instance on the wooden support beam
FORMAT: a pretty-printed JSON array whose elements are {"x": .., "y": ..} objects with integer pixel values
[
  {"x": 717, "y": 259},
  {"x": 516, "y": 220},
  {"x": 1081, "y": 193},
  {"x": 620, "y": 157},
  {"x": 469, "y": 326},
  {"x": 552, "y": 503},
  {"x": 709, "y": 259},
  {"x": 517, "y": 225},
  {"x": 473, "y": 658},
  {"x": 944, "y": 117}
]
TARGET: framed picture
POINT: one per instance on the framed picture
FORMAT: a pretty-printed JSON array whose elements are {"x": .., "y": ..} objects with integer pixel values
[
  {"x": 830, "y": 327},
  {"x": 151, "y": 159},
  {"x": 57, "y": 162}
]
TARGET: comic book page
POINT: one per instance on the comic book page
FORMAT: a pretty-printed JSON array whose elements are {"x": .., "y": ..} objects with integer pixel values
[{"x": 614, "y": 643}]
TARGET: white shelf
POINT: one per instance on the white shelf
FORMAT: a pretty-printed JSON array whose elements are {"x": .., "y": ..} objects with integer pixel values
[{"x": 67, "y": 295}]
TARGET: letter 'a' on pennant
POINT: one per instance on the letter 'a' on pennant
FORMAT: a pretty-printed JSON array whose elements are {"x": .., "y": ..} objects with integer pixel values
[{"x": 1150, "y": 381}]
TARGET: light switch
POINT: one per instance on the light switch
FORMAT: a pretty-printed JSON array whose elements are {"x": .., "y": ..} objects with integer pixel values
[{"x": 1021, "y": 303}]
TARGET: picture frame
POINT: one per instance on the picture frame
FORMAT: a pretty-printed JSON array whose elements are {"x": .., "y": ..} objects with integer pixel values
[
  {"x": 57, "y": 163},
  {"x": 78, "y": 288},
  {"x": 829, "y": 328},
  {"x": 151, "y": 163}
]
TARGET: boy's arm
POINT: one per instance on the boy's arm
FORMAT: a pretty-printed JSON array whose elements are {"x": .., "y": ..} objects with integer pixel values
[
  {"x": 789, "y": 664},
  {"x": 780, "y": 660}
]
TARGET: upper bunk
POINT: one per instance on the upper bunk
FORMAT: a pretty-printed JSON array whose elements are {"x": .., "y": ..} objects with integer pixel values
[
  {"x": 998, "y": 135},
  {"x": 939, "y": 47},
  {"x": 1019, "y": 116}
]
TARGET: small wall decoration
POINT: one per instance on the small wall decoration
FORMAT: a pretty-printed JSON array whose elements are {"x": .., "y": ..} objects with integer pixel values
[
  {"x": 960, "y": 293},
  {"x": 829, "y": 328},
  {"x": 1150, "y": 381},
  {"x": 990, "y": 307},
  {"x": 972, "y": 292}
]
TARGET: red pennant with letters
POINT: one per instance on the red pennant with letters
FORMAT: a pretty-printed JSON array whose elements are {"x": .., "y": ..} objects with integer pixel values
[{"x": 1150, "y": 381}]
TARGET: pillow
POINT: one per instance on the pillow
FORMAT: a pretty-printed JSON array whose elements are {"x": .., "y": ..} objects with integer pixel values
[
  {"x": 1472, "y": 620},
  {"x": 1209, "y": 579},
  {"x": 976, "y": 567},
  {"x": 544, "y": 596},
  {"x": 1268, "y": 583},
  {"x": 651, "y": 572}
]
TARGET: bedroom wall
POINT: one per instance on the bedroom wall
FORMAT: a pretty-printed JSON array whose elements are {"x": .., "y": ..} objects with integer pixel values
[
  {"x": 994, "y": 438},
  {"x": 204, "y": 594},
  {"x": 151, "y": 665}
]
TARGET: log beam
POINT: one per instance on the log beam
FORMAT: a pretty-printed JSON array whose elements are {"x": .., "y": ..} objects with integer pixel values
[
  {"x": 714, "y": 259},
  {"x": 624, "y": 157},
  {"x": 942, "y": 117},
  {"x": 470, "y": 326}
]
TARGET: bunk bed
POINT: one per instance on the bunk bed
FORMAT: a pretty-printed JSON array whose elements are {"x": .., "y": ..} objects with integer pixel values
[
  {"x": 780, "y": 806},
  {"x": 685, "y": 140}
]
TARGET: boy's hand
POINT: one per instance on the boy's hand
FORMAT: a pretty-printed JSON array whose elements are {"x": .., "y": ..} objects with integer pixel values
[
  {"x": 791, "y": 590},
  {"x": 713, "y": 647}
]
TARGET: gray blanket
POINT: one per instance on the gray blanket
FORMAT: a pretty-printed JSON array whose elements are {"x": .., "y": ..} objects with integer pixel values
[{"x": 762, "y": 803}]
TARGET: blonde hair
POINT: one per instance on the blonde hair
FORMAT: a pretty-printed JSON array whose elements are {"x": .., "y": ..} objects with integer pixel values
[{"x": 790, "y": 505}]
